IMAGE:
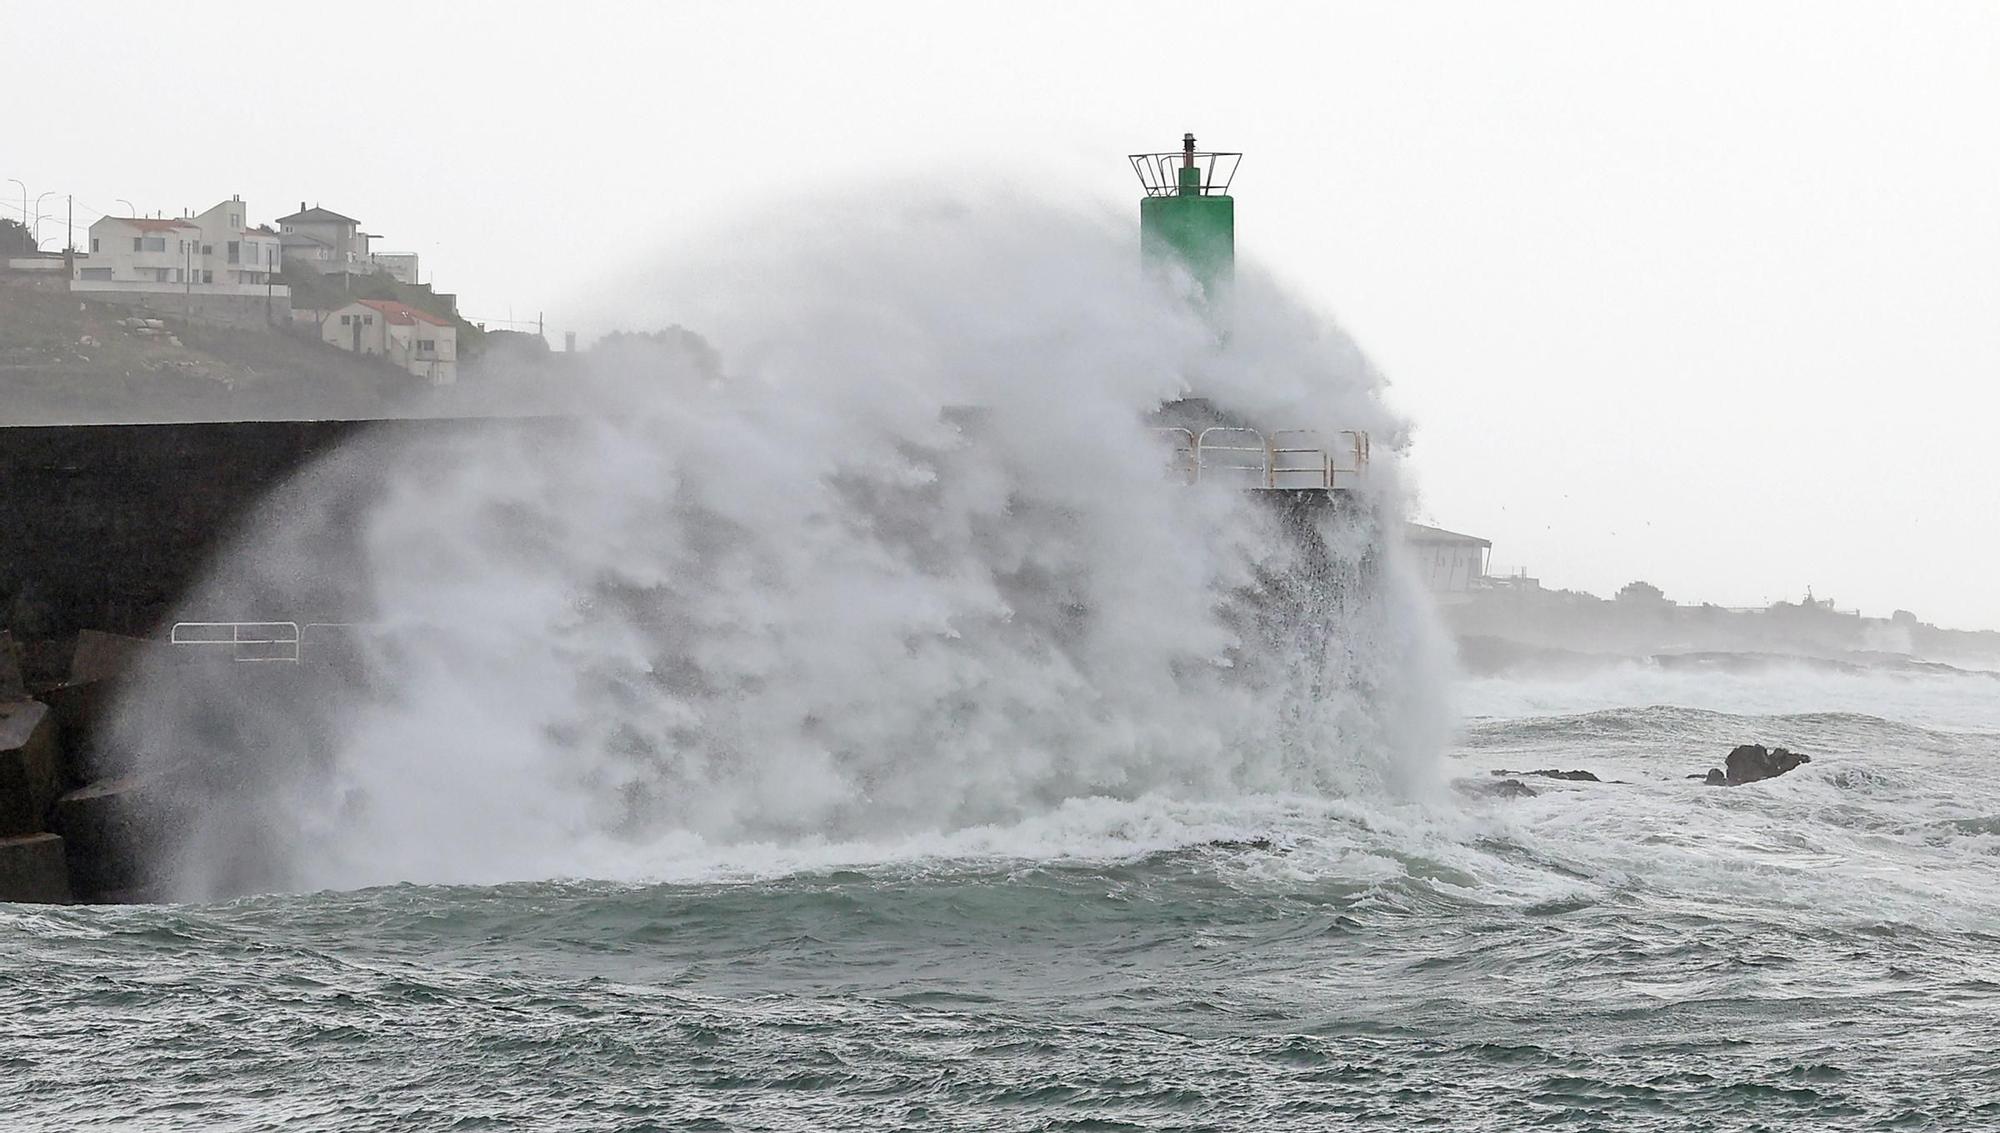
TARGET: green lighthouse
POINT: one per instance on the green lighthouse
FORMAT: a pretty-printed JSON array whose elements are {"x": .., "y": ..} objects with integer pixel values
[{"x": 1187, "y": 214}]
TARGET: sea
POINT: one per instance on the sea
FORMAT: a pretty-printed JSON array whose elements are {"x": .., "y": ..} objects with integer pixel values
[
  {"x": 1818, "y": 951},
  {"x": 875, "y": 722}
]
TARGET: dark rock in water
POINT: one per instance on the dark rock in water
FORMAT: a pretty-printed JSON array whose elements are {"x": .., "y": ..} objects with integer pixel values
[
  {"x": 29, "y": 767},
  {"x": 1749, "y": 763},
  {"x": 1552, "y": 773},
  {"x": 32, "y": 870},
  {"x": 1242, "y": 844},
  {"x": 1504, "y": 789}
]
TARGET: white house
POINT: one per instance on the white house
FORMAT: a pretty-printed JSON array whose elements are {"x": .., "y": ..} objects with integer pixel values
[
  {"x": 143, "y": 249},
  {"x": 210, "y": 253},
  {"x": 413, "y": 340}
]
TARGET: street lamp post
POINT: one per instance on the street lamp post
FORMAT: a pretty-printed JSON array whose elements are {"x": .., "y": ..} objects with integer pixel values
[
  {"x": 24, "y": 198},
  {"x": 38, "y": 218}
]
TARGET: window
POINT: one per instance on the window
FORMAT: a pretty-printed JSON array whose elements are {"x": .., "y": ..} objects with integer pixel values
[
  {"x": 368, "y": 319},
  {"x": 208, "y": 249},
  {"x": 150, "y": 244},
  {"x": 427, "y": 344},
  {"x": 137, "y": 243},
  {"x": 207, "y": 276},
  {"x": 177, "y": 275},
  {"x": 346, "y": 319},
  {"x": 235, "y": 251},
  {"x": 93, "y": 246},
  {"x": 95, "y": 273},
  {"x": 159, "y": 275}
]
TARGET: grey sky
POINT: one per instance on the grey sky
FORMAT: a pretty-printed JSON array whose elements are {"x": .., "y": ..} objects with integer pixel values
[{"x": 1703, "y": 293}]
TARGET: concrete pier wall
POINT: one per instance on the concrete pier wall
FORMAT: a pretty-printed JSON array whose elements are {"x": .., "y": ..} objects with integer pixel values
[{"x": 104, "y": 526}]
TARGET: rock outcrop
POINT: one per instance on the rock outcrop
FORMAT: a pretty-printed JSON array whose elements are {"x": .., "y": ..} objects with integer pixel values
[
  {"x": 1552, "y": 773},
  {"x": 1750, "y": 763},
  {"x": 1501, "y": 789}
]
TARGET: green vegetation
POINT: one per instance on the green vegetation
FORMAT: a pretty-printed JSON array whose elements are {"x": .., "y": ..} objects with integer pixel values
[{"x": 15, "y": 237}]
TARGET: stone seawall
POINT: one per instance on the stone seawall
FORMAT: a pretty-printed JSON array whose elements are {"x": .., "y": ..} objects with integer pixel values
[
  {"x": 104, "y": 529},
  {"x": 246, "y": 311}
]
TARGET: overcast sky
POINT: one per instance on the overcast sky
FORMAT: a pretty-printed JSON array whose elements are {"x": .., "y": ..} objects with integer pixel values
[{"x": 1707, "y": 294}]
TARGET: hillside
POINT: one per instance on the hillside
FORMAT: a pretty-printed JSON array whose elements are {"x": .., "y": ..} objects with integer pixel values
[{"x": 67, "y": 361}]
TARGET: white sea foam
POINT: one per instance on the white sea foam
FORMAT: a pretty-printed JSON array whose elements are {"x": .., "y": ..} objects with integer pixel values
[
  {"x": 810, "y": 610},
  {"x": 1895, "y": 821}
]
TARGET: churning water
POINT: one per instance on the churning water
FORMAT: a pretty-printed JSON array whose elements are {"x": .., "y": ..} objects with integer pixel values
[{"x": 870, "y": 738}]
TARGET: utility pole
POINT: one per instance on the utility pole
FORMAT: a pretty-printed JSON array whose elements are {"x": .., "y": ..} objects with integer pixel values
[{"x": 69, "y": 244}]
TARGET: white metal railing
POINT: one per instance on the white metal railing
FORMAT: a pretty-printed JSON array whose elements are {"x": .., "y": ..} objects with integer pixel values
[
  {"x": 254, "y": 641},
  {"x": 1248, "y": 458},
  {"x": 246, "y": 641}
]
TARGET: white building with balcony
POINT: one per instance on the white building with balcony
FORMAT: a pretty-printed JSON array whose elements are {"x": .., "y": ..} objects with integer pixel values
[{"x": 213, "y": 253}]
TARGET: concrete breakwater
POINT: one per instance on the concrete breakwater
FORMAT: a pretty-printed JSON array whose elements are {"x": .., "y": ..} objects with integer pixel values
[
  {"x": 104, "y": 532},
  {"x": 70, "y": 824}
]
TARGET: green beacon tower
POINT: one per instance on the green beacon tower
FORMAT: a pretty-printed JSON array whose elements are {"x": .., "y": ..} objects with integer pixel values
[{"x": 1188, "y": 215}]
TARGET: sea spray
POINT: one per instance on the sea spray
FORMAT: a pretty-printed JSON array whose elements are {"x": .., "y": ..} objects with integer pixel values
[{"x": 904, "y": 563}]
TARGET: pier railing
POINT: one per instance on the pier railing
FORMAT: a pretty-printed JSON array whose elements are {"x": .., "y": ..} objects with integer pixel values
[
  {"x": 257, "y": 641},
  {"x": 1243, "y": 457}
]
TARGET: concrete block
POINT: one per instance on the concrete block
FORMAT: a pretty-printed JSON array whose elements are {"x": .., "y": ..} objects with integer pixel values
[
  {"x": 104, "y": 827},
  {"x": 82, "y": 711},
  {"x": 33, "y": 870},
  {"x": 30, "y": 767}
]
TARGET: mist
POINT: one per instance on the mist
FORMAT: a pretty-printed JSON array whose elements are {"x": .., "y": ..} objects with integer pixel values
[{"x": 904, "y": 566}]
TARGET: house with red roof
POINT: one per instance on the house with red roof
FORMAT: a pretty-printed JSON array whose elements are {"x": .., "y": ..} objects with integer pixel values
[{"x": 408, "y": 338}]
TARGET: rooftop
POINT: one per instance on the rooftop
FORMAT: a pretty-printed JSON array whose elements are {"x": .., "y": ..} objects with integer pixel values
[
  {"x": 1419, "y": 533},
  {"x": 316, "y": 215},
  {"x": 149, "y": 224},
  {"x": 402, "y": 314}
]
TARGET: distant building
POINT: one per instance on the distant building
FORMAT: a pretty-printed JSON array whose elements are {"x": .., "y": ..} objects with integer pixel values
[
  {"x": 410, "y": 339},
  {"x": 211, "y": 267},
  {"x": 212, "y": 250},
  {"x": 1449, "y": 562},
  {"x": 138, "y": 249},
  {"x": 323, "y": 239},
  {"x": 399, "y": 266}
]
